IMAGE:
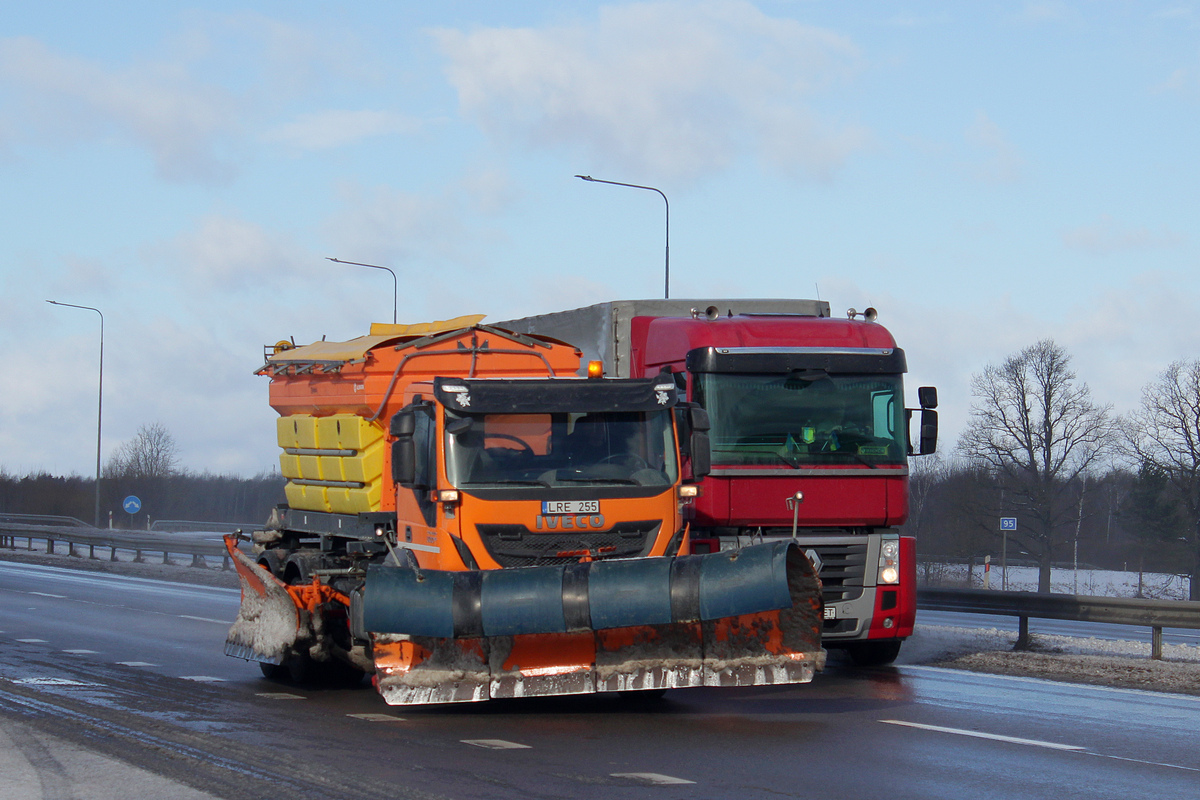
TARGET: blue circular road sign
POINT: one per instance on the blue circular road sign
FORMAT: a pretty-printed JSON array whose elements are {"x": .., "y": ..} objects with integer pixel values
[{"x": 131, "y": 504}]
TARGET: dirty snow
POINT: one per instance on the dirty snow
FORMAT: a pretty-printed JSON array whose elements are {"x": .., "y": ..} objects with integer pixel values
[{"x": 1064, "y": 658}]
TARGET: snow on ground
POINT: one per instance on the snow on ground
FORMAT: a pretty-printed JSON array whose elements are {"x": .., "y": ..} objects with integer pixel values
[
  {"x": 1065, "y": 658},
  {"x": 1091, "y": 582}
]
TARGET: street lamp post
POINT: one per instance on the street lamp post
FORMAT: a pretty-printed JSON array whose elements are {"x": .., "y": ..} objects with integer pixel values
[
  {"x": 395, "y": 284},
  {"x": 99, "y": 401},
  {"x": 667, "y": 278}
]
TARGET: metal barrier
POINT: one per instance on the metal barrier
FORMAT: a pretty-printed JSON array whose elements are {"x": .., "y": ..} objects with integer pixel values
[
  {"x": 136, "y": 542},
  {"x": 1154, "y": 614}
]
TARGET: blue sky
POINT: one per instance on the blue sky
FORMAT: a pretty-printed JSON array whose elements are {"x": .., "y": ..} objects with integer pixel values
[{"x": 984, "y": 174}]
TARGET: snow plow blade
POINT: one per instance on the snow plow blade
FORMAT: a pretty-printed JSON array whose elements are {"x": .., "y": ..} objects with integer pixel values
[
  {"x": 275, "y": 622},
  {"x": 737, "y": 618}
]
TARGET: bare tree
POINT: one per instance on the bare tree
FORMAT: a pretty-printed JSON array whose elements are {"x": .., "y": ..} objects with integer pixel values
[
  {"x": 1035, "y": 426},
  {"x": 1164, "y": 434},
  {"x": 152, "y": 453}
]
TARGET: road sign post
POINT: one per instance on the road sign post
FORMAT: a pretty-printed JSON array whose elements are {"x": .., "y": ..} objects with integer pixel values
[
  {"x": 132, "y": 505},
  {"x": 1006, "y": 524}
]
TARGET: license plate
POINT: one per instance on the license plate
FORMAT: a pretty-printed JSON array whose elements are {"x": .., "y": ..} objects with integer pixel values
[
  {"x": 830, "y": 612},
  {"x": 570, "y": 507}
]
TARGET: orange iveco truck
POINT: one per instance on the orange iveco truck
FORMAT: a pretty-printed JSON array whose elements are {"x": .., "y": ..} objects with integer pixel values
[{"x": 467, "y": 518}]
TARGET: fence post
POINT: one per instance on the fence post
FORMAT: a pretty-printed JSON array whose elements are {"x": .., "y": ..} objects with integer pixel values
[
  {"x": 1022, "y": 633},
  {"x": 1156, "y": 642},
  {"x": 166, "y": 557},
  {"x": 112, "y": 556},
  {"x": 49, "y": 545},
  {"x": 137, "y": 559}
]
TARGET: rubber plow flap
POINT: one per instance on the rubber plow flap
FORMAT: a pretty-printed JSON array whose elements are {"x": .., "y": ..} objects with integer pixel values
[{"x": 744, "y": 617}]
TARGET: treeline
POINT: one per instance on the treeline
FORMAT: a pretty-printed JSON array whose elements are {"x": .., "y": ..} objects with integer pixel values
[
  {"x": 1117, "y": 520},
  {"x": 181, "y": 495}
]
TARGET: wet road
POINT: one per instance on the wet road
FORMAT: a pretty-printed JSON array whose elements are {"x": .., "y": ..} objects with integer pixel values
[{"x": 133, "y": 669}]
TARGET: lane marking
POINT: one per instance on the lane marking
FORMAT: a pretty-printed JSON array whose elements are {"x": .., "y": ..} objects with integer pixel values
[
  {"x": 202, "y": 678},
  {"x": 82, "y": 652},
  {"x": 281, "y": 695},
  {"x": 1147, "y": 763},
  {"x": 377, "y": 717},
  {"x": 981, "y": 735},
  {"x": 652, "y": 778},
  {"x": 47, "y": 594},
  {"x": 204, "y": 619},
  {"x": 137, "y": 664},
  {"x": 33, "y": 641},
  {"x": 52, "y": 682},
  {"x": 495, "y": 744}
]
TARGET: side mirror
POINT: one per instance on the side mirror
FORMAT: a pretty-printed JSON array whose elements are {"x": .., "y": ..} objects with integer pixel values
[
  {"x": 927, "y": 396},
  {"x": 701, "y": 454},
  {"x": 929, "y": 430},
  {"x": 404, "y": 450},
  {"x": 698, "y": 418}
]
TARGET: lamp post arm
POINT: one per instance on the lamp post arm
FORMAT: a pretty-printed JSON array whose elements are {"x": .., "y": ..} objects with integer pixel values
[
  {"x": 667, "y": 279},
  {"x": 395, "y": 283}
]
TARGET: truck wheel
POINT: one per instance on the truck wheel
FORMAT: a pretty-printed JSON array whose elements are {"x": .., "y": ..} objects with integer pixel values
[
  {"x": 273, "y": 672},
  {"x": 873, "y": 654}
]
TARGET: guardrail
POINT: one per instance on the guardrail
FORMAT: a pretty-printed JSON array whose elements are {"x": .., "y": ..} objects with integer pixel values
[
  {"x": 1154, "y": 614},
  {"x": 112, "y": 540}
]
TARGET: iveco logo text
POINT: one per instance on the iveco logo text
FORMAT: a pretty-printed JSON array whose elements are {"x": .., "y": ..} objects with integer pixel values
[{"x": 593, "y": 521}]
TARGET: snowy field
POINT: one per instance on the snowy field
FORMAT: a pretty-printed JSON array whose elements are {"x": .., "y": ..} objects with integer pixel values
[
  {"x": 1074, "y": 659},
  {"x": 1091, "y": 582}
]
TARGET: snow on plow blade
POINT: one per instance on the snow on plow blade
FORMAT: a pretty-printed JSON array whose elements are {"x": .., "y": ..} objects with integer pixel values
[
  {"x": 736, "y": 618},
  {"x": 268, "y": 621}
]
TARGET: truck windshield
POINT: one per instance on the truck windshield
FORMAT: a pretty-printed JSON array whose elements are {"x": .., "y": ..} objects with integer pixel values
[
  {"x": 568, "y": 450},
  {"x": 804, "y": 418}
]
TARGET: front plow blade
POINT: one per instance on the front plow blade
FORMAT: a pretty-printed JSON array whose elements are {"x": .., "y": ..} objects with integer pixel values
[
  {"x": 740, "y": 618},
  {"x": 268, "y": 620}
]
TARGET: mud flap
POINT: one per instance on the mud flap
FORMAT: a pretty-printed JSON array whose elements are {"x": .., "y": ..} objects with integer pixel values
[
  {"x": 267, "y": 627},
  {"x": 741, "y": 618}
]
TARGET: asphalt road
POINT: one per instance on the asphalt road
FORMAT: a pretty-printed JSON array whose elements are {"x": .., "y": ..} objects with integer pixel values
[{"x": 132, "y": 670}]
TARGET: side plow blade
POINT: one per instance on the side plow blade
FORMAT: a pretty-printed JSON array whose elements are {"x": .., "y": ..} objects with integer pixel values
[{"x": 739, "y": 618}]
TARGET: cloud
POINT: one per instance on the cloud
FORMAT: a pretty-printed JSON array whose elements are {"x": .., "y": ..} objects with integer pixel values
[
  {"x": 1003, "y": 163},
  {"x": 223, "y": 254},
  {"x": 672, "y": 89},
  {"x": 324, "y": 130},
  {"x": 383, "y": 225},
  {"x": 154, "y": 105},
  {"x": 1107, "y": 236}
]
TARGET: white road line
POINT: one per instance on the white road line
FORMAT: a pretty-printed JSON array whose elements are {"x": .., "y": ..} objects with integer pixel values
[
  {"x": 281, "y": 695},
  {"x": 495, "y": 744},
  {"x": 377, "y": 717},
  {"x": 1147, "y": 763},
  {"x": 136, "y": 664},
  {"x": 202, "y": 678},
  {"x": 82, "y": 652},
  {"x": 33, "y": 641},
  {"x": 46, "y": 594},
  {"x": 52, "y": 682},
  {"x": 652, "y": 778},
  {"x": 204, "y": 619},
  {"x": 981, "y": 735}
]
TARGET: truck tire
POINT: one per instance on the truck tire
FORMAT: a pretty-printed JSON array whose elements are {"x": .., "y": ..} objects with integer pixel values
[{"x": 873, "y": 654}]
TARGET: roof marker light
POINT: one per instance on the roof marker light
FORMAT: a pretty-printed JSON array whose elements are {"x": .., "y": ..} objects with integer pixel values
[{"x": 595, "y": 369}]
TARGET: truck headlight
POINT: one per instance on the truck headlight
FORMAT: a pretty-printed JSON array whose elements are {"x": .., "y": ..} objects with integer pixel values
[{"x": 889, "y": 562}]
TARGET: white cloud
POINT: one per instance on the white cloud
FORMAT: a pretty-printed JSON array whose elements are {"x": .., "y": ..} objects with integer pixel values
[
  {"x": 1003, "y": 163},
  {"x": 155, "y": 105},
  {"x": 1107, "y": 236},
  {"x": 323, "y": 130},
  {"x": 672, "y": 89},
  {"x": 386, "y": 226},
  {"x": 224, "y": 255}
]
